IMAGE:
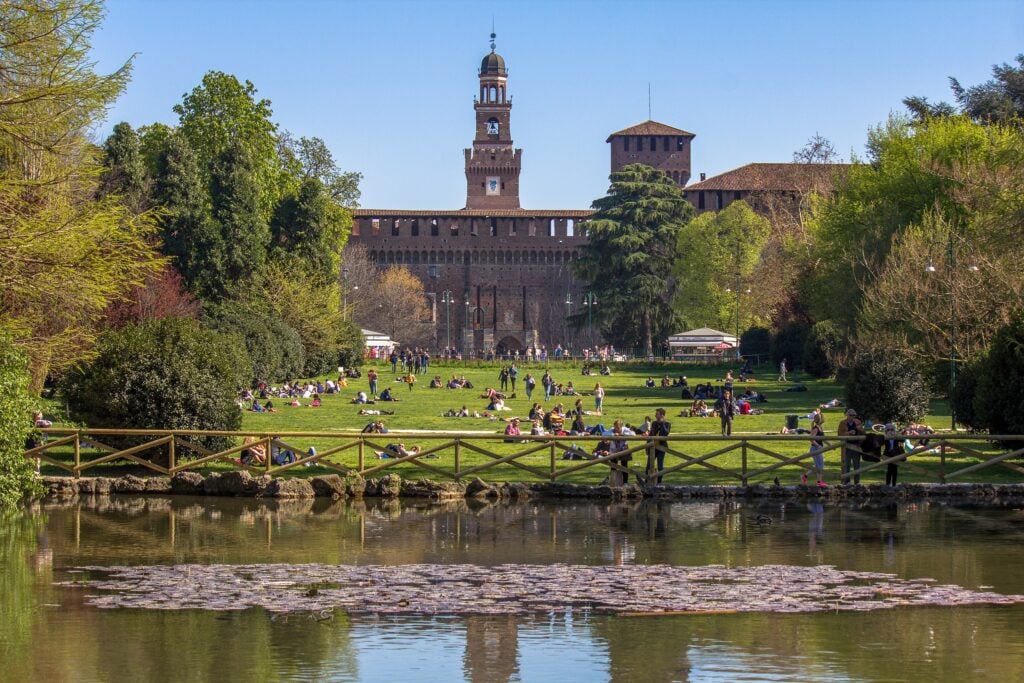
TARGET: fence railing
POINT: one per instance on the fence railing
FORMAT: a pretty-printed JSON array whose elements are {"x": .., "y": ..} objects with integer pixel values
[{"x": 741, "y": 459}]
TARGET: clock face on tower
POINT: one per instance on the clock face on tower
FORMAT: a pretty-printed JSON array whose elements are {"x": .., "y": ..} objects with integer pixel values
[{"x": 492, "y": 127}]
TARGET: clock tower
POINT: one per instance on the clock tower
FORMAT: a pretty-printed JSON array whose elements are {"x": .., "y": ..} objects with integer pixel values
[{"x": 492, "y": 164}]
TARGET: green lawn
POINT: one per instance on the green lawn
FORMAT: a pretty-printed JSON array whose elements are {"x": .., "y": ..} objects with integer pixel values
[{"x": 626, "y": 398}]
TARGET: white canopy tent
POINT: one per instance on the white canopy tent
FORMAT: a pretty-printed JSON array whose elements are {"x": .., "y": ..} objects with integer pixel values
[
  {"x": 703, "y": 344},
  {"x": 378, "y": 339}
]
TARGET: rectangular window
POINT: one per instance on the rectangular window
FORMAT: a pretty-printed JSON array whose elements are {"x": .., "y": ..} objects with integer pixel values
[
  {"x": 700, "y": 200},
  {"x": 679, "y": 144},
  {"x": 375, "y": 225},
  {"x": 415, "y": 228},
  {"x": 472, "y": 228},
  {"x": 395, "y": 232},
  {"x": 654, "y": 144},
  {"x": 720, "y": 199},
  {"x": 533, "y": 229},
  {"x": 433, "y": 228},
  {"x": 737, "y": 195},
  {"x": 454, "y": 230},
  {"x": 494, "y": 227},
  {"x": 625, "y": 143},
  {"x": 512, "y": 227},
  {"x": 664, "y": 144},
  {"x": 639, "y": 144},
  {"x": 355, "y": 228}
]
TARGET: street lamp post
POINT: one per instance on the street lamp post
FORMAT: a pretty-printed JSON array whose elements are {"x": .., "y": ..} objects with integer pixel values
[
  {"x": 467, "y": 332},
  {"x": 590, "y": 301},
  {"x": 447, "y": 299},
  {"x": 344, "y": 293},
  {"x": 954, "y": 322},
  {"x": 568, "y": 312},
  {"x": 737, "y": 310}
]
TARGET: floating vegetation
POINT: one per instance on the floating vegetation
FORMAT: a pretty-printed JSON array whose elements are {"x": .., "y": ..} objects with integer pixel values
[{"x": 516, "y": 589}]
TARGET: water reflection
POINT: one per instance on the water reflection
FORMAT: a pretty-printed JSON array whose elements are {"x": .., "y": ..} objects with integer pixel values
[{"x": 974, "y": 547}]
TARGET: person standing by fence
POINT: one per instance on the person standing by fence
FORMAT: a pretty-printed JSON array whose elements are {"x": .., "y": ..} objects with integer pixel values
[
  {"x": 656, "y": 454},
  {"x": 726, "y": 408},
  {"x": 817, "y": 444},
  {"x": 851, "y": 426}
]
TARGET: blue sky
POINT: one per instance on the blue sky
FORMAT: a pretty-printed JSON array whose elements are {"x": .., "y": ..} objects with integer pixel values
[{"x": 389, "y": 85}]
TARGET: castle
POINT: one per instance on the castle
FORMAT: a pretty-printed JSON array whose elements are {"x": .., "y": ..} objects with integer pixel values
[{"x": 497, "y": 275}]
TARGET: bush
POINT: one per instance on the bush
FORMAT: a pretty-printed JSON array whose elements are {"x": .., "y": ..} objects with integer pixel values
[
  {"x": 15, "y": 423},
  {"x": 789, "y": 343},
  {"x": 998, "y": 402},
  {"x": 963, "y": 400},
  {"x": 821, "y": 348},
  {"x": 160, "y": 374},
  {"x": 275, "y": 349},
  {"x": 757, "y": 341},
  {"x": 886, "y": 386}
]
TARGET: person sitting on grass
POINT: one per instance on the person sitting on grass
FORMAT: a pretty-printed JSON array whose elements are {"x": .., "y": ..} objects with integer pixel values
[
  {"x": 536, "y": 412},
  {"x": 375, "y": 427},
  {"x": 537, "y": 429},
  {"x": 315, "y": 403},
  {"x": 512, "y": 429},
  {"x": 254, "y": 453},
  {"x": 436, "y": 382},
  {"x": 579, "y": 427},
  {"x": 386, "y": 395},
  {"x": 570, "y": 390},
  {"x": 256, "y": 407},
  {"x": 268, "y": 407},
  {"x": 649, "y": 383}
]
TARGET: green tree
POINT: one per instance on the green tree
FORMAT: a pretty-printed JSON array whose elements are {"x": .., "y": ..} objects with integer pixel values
[
  {"x": 998, "y": 408},
  {"x": 821, "y": 349},
  {"x": 16, "y": 477},
  {"x": 66, "y": 254},
  {"x": 910, "y": 174},
  {"x": 223, "y": 116},
  {"x": 308, "y": 226},
  {"x": 125, "y": 169},
  {"x": 311, "y": 158},
  {"x": 629, "y": 254},
  {"x": 715, "y": 250},
  {"x": 275, "y": 349},
  {"x": 243, "y": 233},
  {"x": 189, "y": 234},
  {"x": 998, "y": 100}
]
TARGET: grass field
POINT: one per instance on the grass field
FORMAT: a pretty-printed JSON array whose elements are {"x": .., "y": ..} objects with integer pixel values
[{"x": 626, "y": 398}]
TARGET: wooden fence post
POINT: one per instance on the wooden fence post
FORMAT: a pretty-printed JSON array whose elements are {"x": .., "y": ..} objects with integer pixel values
[
  {"x": 553, "y": 462},
  {"x": 743, "y": 471},
  {"x": 362, "y": 444},
  {"x": 170, "y": 456},
  {"x": 458, "y": 458},
  {"x": 269, "y": 461},
  {"x": 78, "y": 455},
  {"x": 942, "y": 463}
]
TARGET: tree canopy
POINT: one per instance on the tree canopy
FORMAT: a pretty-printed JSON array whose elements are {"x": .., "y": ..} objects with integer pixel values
[{"x": 627, "y": 260}]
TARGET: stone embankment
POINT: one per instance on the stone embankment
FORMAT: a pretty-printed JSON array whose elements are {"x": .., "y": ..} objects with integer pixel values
[{"x": 242, "y": 483}]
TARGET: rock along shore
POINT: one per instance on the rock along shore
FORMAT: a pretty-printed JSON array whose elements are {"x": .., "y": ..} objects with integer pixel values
[{"x": 242, "y": 483}]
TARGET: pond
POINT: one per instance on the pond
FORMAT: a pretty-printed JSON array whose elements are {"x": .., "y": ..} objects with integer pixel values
[{"x": 50, "y": 631}]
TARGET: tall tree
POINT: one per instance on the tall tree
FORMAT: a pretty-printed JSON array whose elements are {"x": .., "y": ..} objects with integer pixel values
[
  {"x": 401, "y": 310},
  {"x": 718, "y": 251},
  {"x": 306, "y": 226},
  {"x": 222, "y": 113},
  {"x": 244, "y": 234},
  {"x": 189, "y": 234},
  {"x": 627, "y": 260},
  {"x": 311, "y": 158},
  {"x": 998, "y": 100},
  {"x": 66, "y": 255},
  {"x": 125, "y": 170}
]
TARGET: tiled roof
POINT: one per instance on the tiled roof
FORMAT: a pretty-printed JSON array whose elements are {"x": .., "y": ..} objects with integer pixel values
[
  {"x": 777, "y": 177},
  {"x": 651, "y": 128},
  {"x": 472, "y": 213}
]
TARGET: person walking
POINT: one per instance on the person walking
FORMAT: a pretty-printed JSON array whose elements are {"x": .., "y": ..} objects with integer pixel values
[
  {"x": 372, "y": 376},
  {"x": 599, "y": 398},
  {"x": 726, "y": 408},
  {"x": 549, "y": 384},
  {"x": 503, "y": 379},
  {"x": 529, "y": 383},
  {"x": 513, "y": 375},
  {"x": 656, "y": 453},
  {"x": 851, "y": 426},
  {"x": 411, "y": 379},
  {"x": 782, "y": 370}
]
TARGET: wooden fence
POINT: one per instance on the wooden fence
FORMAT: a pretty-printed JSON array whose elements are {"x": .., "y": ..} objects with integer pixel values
[{"x": 547, "y": 458}]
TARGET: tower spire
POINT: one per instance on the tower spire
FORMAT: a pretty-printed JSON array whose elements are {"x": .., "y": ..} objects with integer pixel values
[{"x": 493, "y": 35}]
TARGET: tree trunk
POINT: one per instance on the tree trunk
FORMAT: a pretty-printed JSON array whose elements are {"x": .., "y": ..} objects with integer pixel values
[{"x": 648, "y": 341}]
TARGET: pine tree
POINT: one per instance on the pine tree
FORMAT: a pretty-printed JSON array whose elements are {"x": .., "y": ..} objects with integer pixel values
[{"x": 244, "y": 234}]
